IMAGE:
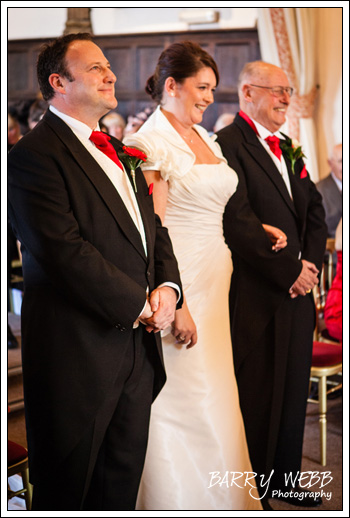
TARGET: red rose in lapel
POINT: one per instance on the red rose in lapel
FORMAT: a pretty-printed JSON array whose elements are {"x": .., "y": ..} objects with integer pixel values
[
  {"x": 293, "y": 151},
  {"x": 303, "y": 173},
  {"x": 132, "y": 157},
  {"x": 137, "y": 153}
]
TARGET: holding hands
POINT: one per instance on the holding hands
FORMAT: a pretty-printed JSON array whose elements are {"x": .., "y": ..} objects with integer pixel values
[{"x": 159, "y": 311}]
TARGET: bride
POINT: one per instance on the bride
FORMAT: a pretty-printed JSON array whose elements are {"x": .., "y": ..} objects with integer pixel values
[{"x": 196, "y": 437}]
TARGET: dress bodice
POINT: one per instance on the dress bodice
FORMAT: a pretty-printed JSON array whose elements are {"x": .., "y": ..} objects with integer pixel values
[
  {"x": 198, "y": 193},
  {"x": 197, "y": 200}
]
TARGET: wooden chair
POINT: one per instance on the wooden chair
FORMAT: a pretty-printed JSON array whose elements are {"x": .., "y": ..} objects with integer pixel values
[
  {"x": 17, "y": 463},
  {"x": 326, "y": 353},
  {"x": 326, "y": 361}
]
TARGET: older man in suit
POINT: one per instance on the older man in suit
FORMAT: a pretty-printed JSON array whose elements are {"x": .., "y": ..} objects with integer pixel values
[
  {"x": 331, "y": 189},
  {"x": 272, "y": 309},
  {"x": 100, "y": 281}
]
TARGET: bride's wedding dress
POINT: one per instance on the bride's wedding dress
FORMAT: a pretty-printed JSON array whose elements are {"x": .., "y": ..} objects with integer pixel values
[{"x": 197, "y": 447}]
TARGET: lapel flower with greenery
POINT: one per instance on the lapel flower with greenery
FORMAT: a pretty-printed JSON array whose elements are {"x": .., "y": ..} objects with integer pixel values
[
  {"x": 132, "y": 158},
  {"x": 292, "y": 148}
]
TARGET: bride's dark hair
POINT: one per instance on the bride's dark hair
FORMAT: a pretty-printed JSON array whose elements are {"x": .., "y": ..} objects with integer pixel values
[{"x": 179, "y": 60}]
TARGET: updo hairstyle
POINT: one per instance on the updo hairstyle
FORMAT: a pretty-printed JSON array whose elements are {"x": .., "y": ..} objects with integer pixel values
[{"x": 179, "y": 60}]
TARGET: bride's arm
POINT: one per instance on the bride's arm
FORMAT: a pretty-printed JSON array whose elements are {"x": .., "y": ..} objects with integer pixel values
[
  {"x": 160, "y": 192},
  {"x": 184, "y": 328},
  {"x": 276, "y": 236}
]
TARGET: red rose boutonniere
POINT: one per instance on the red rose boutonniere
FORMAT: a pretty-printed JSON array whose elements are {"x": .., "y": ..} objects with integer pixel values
[
  {"x": 133, "y": 158},
  {"x": 292, "y": 148}
]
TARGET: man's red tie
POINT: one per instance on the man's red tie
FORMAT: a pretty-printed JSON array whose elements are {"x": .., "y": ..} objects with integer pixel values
[
  {"x": 274, "y": 145},
  {"x": 101, "y": 141}
]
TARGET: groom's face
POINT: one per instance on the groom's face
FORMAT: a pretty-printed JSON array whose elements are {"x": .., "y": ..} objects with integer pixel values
[{"x": 93, "y": 86}]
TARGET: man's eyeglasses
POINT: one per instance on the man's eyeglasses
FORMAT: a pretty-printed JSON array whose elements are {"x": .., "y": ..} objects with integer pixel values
[{"x": 277, "y": 91}]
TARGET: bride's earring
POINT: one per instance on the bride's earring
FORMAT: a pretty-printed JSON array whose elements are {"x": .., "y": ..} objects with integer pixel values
[{"x": 170, "y": 86}]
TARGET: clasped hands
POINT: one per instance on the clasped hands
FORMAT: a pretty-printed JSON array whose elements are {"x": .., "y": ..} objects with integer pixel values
[
  {"x": 159, "y": 311},
  {"x": 306, "y": 281}
]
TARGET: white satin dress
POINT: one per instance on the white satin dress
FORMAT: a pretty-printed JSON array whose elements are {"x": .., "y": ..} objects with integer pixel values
[{"x": 196, "y": 425}]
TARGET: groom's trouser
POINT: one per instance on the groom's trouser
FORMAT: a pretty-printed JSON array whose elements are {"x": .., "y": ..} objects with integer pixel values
[{"x": 104, "y": 470}]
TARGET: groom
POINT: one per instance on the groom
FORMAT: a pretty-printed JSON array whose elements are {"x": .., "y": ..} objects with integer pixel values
[{"x": 100, "y": 282}]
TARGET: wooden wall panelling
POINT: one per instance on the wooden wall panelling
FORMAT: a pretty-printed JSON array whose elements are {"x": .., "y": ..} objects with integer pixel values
[
  {"x": 133, "y": 59},
  {"x": 18, "y": 79},
  {"x": 122, "y": 60}
]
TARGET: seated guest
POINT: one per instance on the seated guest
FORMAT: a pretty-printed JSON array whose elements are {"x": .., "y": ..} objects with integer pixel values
[
  {"x": 114, "y": 124},
  {"x": 36, "y": 112},
  {"x": 333, "y": 313},
  {"x": 12, "y": 253},
  {"x": 13, "y": 130},
  {"x": 222, "y": 121},
  {"x": 331, "y": 190},
  {"x": 135, "y": 121}
]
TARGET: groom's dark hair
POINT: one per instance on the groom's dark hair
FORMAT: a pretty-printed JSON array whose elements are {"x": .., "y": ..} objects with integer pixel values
[{"x": 52, "y": 60}]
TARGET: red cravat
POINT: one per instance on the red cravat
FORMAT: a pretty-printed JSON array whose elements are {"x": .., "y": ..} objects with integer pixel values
[
  {"x": 101, "y": 141},
  {"x": 274, "y": 145}
]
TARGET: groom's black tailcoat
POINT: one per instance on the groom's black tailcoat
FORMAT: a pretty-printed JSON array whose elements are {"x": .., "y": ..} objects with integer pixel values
[
  {"x": 85, "y": 279},
  {"x": 271, "y": 333}
]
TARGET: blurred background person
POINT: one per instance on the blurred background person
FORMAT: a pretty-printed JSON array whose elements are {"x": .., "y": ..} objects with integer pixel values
[
  {"x": 13, "y": 136},
  {"x": 36, "y": 112},
  {"x": 13, "y": 129},
  {"x": 331, "y": 189},
  {"x": 114, "y": 124},
  {"x": 222, "y": 121},
  {"x": 135, "y": 122},
  {"x": 12, "y": 254}
]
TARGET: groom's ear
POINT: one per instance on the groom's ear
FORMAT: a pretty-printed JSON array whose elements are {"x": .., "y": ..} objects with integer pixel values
[{"x": 57, "y": 83}]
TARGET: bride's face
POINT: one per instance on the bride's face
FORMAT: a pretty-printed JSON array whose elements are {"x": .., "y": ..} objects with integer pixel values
[{"x": 193, "y": 96}]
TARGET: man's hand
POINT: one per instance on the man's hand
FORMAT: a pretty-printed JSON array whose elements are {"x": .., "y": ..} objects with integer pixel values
[
  {"x": 163, "y": 305},
  {"x": 306, "y": 280}
]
